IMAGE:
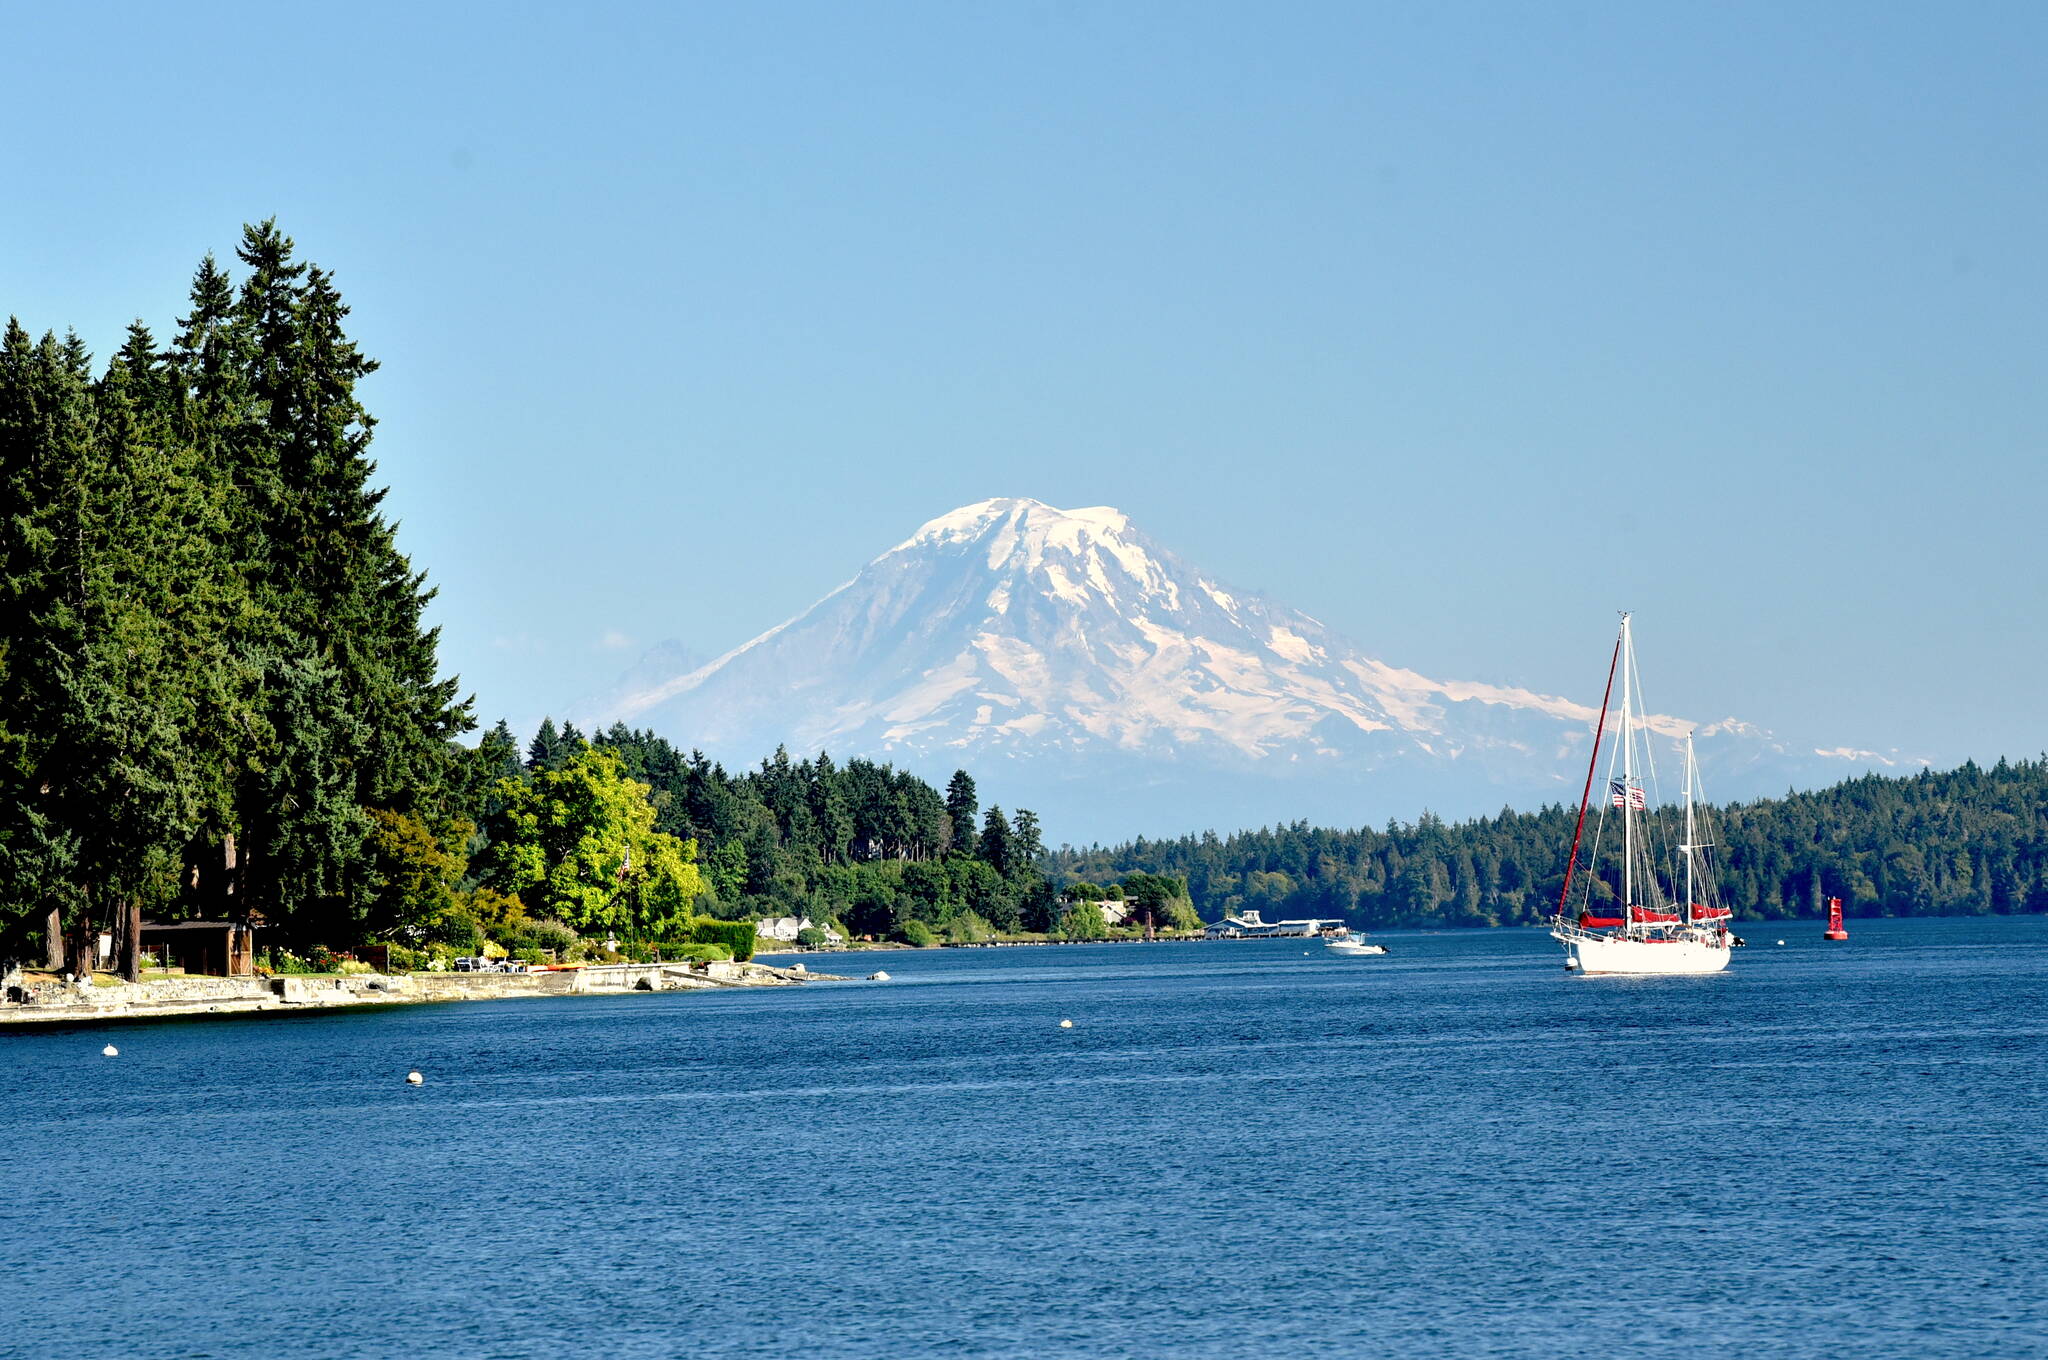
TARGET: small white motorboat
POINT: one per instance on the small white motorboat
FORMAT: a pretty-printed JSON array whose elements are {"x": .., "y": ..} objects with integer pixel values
[{"x": 1349, "y": 942}]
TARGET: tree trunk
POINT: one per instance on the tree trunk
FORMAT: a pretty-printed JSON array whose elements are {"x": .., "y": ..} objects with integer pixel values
[
  {"x": 128, "y": 937},
  {"x": 230, "y": 865},
  {"x": 53, "y": 940},
  {"x": 82, "y": 947}
]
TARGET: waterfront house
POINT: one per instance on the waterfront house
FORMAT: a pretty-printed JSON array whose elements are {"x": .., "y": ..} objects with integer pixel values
[
  {"x": 785, "y": 929},
  {"x": 211, "y": 948}
]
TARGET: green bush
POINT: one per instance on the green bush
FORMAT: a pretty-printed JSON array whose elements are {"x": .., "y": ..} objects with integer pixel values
[
  {"x": 810, "y": 937},
  {"x": 551, "y": 935},
  {"x": 915, "y": 933},
  {"x": 969, "y": 928},
  {"x": 696, "y": 953},
  {"x": 405, "y": 960},
  {"x": 458, "y": 930},
  {"x": 1083, "y": 921},
  {"x": 738, "y": 936},
  {"x": 530, "y": 955}
]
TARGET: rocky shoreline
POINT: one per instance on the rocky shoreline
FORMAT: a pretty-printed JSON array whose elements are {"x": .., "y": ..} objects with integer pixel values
[{"x": 94, "y": 1002}]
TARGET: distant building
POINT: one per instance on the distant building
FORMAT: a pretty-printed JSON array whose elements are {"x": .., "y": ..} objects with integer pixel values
[
  {"x": 1249, "y": 925},
  {"x": 785, "y": 929}
]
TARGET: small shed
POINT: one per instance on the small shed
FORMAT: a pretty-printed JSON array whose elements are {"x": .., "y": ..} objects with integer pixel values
[{"x": 211, "y": 948}]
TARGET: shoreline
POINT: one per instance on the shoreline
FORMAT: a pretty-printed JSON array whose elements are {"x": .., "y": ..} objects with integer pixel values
[{"x": 91, "y": 1003}]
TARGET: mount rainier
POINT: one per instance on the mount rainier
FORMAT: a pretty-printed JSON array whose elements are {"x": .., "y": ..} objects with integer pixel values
[{"x": 1076, "y": 667}]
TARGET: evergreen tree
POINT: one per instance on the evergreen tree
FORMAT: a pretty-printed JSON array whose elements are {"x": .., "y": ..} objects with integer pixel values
[
  {"x": 960, "y": 809},
  {"x": 997, "y": 849},
  {"x": 1026, "y": 844},
  {"x": 360, "y": 718},
  {"x": 45, "y": 442},
  {"x": 546, "y": 751}
]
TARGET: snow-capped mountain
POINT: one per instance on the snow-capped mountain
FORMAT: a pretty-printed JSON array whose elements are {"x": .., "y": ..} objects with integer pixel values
[{"x": 1077, "y": 667}]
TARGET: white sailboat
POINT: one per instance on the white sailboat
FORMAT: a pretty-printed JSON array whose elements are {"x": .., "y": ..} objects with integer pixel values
[{"x": 1653, "y": 935}]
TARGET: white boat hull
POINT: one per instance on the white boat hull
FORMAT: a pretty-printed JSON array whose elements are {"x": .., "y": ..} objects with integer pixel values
[
  {"x": 1601, "y": 955},
  {"x": 1336, "y": 947}
]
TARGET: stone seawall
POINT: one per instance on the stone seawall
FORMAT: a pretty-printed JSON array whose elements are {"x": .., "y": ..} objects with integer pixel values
[{"x": 93, "y": 1002}]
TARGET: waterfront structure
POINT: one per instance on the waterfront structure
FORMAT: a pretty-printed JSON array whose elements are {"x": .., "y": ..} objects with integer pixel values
[
  {"x": 1250, "y": 925},
  {"x": 209, "y": 948}
]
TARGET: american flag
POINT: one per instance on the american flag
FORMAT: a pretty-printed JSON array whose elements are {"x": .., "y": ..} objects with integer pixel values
[{"x": 1621, "y": 793}]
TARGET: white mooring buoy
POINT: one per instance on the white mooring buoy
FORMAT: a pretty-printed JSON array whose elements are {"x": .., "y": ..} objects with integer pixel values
[
  {"x": 1066, "y": 1024},
  {"x": 110, "y": 1052},
  {"x": 1781, "y": 942},
  {"x": 413, "y": 1079}
]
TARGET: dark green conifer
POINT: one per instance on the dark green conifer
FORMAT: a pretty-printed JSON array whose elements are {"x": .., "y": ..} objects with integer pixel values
[
  {"x": 997, "y": 848},
  {"x": 960, "y": 809},
  {"x": 545, "y": 751}
]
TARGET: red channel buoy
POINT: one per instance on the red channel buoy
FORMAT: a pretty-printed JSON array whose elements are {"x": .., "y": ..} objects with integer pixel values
[{"x": 1835, "y": 930}]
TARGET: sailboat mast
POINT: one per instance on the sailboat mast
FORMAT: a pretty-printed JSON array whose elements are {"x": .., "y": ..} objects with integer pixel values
[
  {"x": 1592, "y": 764},
  {"x": 1628, "y": 774},
  {"x": 1690, "y": 848}
]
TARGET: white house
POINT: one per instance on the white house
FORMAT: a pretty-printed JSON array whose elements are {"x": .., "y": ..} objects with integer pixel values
[{"x": 785, "y": 929}]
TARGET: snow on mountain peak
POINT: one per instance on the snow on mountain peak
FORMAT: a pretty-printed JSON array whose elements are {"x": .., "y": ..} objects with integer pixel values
[{"x": 1018, "y": 524}]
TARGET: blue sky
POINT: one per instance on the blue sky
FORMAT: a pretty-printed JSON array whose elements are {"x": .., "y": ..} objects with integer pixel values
[{"x": 1457, "y": 326}]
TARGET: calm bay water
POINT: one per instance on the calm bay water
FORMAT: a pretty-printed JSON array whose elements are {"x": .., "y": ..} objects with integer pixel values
[{"x": 1831, "y": 1150}]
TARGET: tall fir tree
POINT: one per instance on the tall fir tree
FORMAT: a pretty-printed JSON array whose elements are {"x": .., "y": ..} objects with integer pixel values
[
  {"x": 998, "y": 847},
  {"x": 546, "y": 751},
  {"x": 960, "y": 809}
]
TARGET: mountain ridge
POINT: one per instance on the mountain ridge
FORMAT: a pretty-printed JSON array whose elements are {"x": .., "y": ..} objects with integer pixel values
[{"x": 1071, "y": 644}]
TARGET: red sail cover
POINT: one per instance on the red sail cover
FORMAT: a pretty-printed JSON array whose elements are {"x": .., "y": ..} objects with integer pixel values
[
  {"x": 1599, "y": 922},
  {"x": 1700, "y": 913},
  {"x": 1644, "y": 914}
]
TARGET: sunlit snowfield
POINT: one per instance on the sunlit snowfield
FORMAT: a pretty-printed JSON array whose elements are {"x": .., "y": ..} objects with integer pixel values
[{"x": 1237, "y": 1150}]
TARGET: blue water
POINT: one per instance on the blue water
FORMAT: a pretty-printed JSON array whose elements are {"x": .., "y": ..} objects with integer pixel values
[{"x": 1237, "y": 1150}]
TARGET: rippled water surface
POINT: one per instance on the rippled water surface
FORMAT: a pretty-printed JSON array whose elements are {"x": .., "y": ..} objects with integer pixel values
[{"x": 1237, "y": 1150}]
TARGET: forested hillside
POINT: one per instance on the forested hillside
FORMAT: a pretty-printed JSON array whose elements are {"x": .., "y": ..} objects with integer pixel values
[
  {"x": 1968, "y": 841},
  {"x": 871, "y": 847}
]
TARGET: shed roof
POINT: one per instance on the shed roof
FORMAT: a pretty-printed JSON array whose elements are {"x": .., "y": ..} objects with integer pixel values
[{"x": 195, "y": 925}]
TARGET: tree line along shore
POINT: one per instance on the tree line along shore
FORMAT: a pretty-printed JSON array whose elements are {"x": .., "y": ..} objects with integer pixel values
[{"x": 1972, "y": 841}]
